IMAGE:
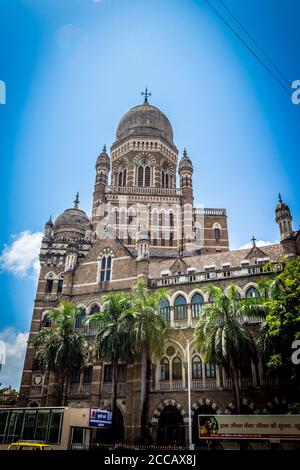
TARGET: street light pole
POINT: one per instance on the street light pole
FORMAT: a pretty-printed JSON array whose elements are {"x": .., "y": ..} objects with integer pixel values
[
  {"x": 189, "y": 395},
  {"x": 191, "y": 446}
]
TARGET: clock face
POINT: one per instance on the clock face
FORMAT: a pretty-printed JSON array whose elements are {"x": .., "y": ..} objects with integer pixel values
[{"x": 38, "y": 379}]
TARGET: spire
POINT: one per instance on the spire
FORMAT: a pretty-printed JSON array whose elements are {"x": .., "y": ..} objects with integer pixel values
[
  {"x": 279, "y": 198},
  {"x": 184, "y": 152},
  {"x": 76, "y": 202},
  {"x": 146, "y": 94},
  {"x": 104, "y": 148},
  {"x": 49, "y": 221}
]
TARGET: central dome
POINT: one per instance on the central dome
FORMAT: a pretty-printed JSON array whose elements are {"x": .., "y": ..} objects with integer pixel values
[{"x": 145, "y": 120}]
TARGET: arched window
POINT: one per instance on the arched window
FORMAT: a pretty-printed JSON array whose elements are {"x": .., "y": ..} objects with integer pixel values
[
  {"x": 49, "y": 285},
  {"x": 120, "y": 178},
  {"x": 176, "y": 368},
  {"x": 165, "y": 309},
  {"x": 94, "y": 309},
  {"x": 80, "y": 319},
  {"x": 164, "y": 369},
  {"x": 217, "y": 233},
  {"x": 167, "y": 180},
  {"x": 196, "y": 368},
  {"x": 124, "y": 177},
  {"x": 155, "y": 219},
  {"x": 105, "y": 269},
  {"x": 162, "y": 179},
  {"x": 210, "y": 371},
  {"x": 147, "y": 176},
  {"x": 140, "y": 175},
  {"x": 252, "y": 292},
  {"x": 171, "y": 239},
  {"x": 180, "y": 308},
  {"x": 60, "y": 284},
  {"x": 197, "y": 301},
  {"x": 46, "y": 322}
]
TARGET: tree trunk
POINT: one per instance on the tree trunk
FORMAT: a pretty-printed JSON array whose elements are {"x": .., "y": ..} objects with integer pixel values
[
  {"x": 61, "y": 387},
  {"x": 114, "y": 398},
  {"x": 66, "y": 391},
  {"x": 235, "y": 384},
  {"x": 144, "y": 364}
]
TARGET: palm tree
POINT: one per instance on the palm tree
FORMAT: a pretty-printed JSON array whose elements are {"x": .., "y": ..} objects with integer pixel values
[
  {"x": 221, "y": 336},
  {"x": 114, "y": 341},
  {"x": 60, "y": 349},
  {"x": 150, "y": 334}
]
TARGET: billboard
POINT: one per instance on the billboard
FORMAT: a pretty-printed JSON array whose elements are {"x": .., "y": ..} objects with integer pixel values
[
  {"x": 99, "y": 418},
  {"x": 249, "y": 426}
]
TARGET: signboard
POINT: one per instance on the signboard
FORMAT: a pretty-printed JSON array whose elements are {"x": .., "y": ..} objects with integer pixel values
[
  {"x": 99, "y": 418},
  {"x": 249, "y": 426}
]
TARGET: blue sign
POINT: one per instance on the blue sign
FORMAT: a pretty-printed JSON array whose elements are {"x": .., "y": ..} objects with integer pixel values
[{"x": 99, "y": 418}]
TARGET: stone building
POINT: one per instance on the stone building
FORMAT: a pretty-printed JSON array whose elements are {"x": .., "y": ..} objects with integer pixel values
[{"x": 144, "y": 225}]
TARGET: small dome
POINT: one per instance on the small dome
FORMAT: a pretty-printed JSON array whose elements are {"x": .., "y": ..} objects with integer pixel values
[
  {"x": 103, "y": 157},
  {"x": 185, "y": 162},
  {"x": 71, "y": 223},
  {"x": 282, "y": 206},
  {"x": 145, "y": 120}
]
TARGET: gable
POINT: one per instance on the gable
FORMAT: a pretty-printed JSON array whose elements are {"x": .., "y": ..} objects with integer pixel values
[
  {"x": 179, "y": 265},
  {"x": 255, "y": 252}
]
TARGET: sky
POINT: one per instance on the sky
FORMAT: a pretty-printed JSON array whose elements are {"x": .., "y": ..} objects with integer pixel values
[{"x": 72, "y": 68}]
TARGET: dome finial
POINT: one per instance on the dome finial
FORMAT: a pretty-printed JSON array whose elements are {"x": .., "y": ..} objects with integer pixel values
[
  {"x": 145, "y": 94},
  {"x": 279, "y": 198},
  {"x": 76, "y": 202},
  {"x": 104, "y": 148},
  {"x": 184, "y": 152}
]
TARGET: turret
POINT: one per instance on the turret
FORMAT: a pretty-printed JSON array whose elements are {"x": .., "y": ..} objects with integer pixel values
[
  {"x": 143, "y": 253},
  {"x": 185, "y": 171},
  {"x": 102, "y": 173},
  {"x": 48, "y": 228},
  {"x": 283, "y": 219}
]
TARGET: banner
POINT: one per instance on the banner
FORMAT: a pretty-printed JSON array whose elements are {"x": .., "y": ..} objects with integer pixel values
[
  {"x": 249, "y": 426},
  {"x": 99, "y": 418}
]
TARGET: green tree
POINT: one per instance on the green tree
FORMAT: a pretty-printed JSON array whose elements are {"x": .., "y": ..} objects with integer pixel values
[
  {"x": 60, "y": 349},
  {"x": 150, "y": 334},
  {"x": 114, "y": 341},
  {"x": 282, "y": 322},
  {"x": 221, "y": 336}
]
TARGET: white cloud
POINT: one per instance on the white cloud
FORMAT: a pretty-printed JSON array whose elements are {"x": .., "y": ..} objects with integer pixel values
[
  {"x": 16, "y": 343},
  {"x": 21, "y": 257},
  {"x": 258, "y": 243}
]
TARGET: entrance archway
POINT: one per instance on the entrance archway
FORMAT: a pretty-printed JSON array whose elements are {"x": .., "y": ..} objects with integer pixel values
[
  {"x": 170, "y": 429},
  {"x": 202, "y": 410},
  {"x": 104, "y": 436}
]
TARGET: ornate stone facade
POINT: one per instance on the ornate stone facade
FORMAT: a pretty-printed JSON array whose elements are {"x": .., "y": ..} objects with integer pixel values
[{"x": 144, "y": 226}]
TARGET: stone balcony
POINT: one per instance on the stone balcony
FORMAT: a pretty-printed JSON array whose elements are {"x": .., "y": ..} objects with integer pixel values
[
  {"x": 140, "y": 190},
  {"x": 107, "y": 389},
  {"x": 80, "y": 389},
  {"x": 212, "y": 384},
  {"x": 206, "y": 276}
]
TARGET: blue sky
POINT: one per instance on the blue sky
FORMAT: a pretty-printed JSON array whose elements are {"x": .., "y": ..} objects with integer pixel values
[{"x": 72, "y": 68}]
